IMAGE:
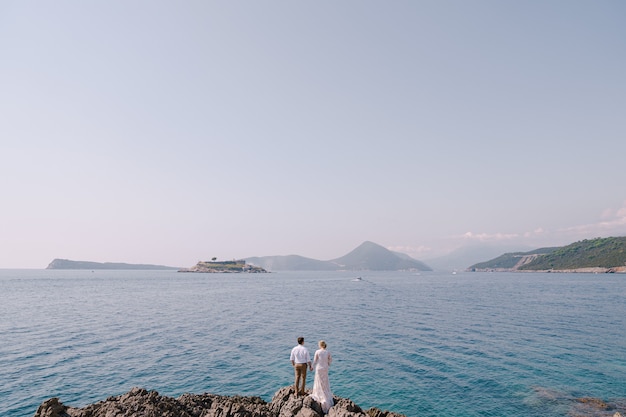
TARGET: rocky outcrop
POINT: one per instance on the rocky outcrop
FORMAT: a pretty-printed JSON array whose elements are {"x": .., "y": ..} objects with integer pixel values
[
  {"x": 139, "y": 402},
  {"x": 578, "y": 406}
]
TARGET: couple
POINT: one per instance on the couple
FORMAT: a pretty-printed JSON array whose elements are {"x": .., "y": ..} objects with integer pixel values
[{"x": 300, "y": 359}]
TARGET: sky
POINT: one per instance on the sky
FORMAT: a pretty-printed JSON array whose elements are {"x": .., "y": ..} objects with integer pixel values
[{"x": 170, "y": 132}]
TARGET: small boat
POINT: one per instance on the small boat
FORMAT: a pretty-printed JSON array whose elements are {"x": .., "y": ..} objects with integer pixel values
[{"x": 357, "y": 279}]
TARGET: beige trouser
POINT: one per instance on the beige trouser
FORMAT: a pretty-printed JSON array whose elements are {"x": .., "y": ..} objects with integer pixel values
[{"x": 300, "y": 371}]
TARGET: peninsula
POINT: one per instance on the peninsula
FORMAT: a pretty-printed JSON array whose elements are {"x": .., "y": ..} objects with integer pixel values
[{"x": 67, "y": 264}]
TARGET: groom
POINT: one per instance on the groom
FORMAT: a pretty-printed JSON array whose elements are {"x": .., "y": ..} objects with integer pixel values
[{"x": 300, "y": 359}]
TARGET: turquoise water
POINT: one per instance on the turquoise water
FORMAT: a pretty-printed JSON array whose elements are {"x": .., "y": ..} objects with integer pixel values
[{"x": 433, "y": 344}]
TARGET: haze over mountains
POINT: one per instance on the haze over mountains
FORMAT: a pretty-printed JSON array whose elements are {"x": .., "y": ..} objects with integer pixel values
[
  {"x": 369, "y": 256},
  {"x": 461, "y": 258}
]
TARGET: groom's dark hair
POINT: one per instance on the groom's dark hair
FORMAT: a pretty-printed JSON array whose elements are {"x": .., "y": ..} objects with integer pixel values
[{"x": 300, "y": 340}]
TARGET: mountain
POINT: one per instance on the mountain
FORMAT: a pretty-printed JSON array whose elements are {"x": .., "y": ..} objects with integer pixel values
[
  {"x": 594, "y": 255},
  {"x": 67, "y": 264},
  {"x": 368, "y": 256},
  {"x": 373, "y": 257}
]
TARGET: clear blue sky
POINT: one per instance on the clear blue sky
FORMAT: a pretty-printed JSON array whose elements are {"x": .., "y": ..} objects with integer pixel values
[{"x": 173, "y": 132}]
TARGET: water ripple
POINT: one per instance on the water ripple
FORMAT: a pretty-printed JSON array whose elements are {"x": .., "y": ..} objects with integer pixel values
[{"x": 428, "y": 345}]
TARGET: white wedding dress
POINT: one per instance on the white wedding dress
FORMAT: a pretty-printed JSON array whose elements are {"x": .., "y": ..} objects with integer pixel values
[{"x": 321, "y": 387}]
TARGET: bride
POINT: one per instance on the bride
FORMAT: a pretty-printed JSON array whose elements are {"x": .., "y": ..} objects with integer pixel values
[{"x": 321, "y": 387}]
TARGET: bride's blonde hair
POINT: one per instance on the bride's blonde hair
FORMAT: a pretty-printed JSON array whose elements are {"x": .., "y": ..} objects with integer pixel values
[{"x": 322, "y": 344}]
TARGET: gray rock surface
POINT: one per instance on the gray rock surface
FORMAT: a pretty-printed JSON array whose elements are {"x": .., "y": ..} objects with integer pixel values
[{"x": 139, "y": 402}]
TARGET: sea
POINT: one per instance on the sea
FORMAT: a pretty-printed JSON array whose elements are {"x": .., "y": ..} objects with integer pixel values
[{"x": 417, "y": 343}]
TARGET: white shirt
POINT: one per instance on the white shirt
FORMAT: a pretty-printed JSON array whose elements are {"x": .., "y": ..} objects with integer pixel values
[{"x": 300, "y": 354}]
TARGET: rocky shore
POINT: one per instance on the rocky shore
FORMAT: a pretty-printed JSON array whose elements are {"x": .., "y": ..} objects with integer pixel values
[{"x": 139, "y": 402}]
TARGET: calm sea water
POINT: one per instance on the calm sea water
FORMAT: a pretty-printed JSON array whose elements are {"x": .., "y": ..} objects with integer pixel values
[{"x": 429, "y": 344}]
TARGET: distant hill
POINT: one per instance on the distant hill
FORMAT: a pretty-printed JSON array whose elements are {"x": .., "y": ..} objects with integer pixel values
[
  {"x": 67, "y": 264},
  {"x": 594, "y": 255},
  {"x": 368, "y": 256},
  {"x": 291, "y": 263}
]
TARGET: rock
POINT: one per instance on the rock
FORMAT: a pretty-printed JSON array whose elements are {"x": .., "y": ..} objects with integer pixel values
[
  {"x": 597, "y": 407},
  {"x": 345, "y": 408},
  {"x": 51, "y": 408},
  {"x": 594, "y": 403},
  {"x": 375, "y": 412},
  {"x": 139, "y": 402}
]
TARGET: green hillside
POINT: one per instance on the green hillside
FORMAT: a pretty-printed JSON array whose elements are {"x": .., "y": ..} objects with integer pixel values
[
  {"x": 509, "y": 260},
  {"x": 607, "y": 252}
]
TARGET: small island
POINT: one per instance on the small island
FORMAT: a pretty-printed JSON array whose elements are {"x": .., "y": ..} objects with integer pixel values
[{"x": 215, "y": 267}]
